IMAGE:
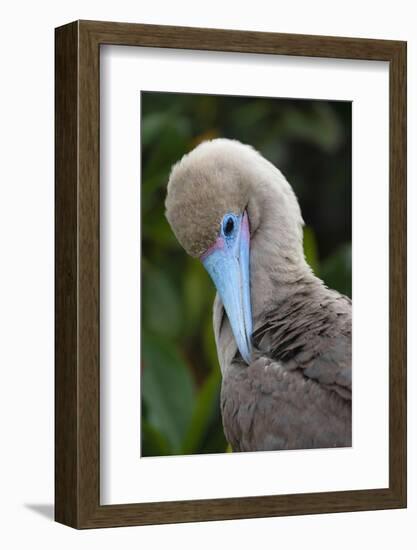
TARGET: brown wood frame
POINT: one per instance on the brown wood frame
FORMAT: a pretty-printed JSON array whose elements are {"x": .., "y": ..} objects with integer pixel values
[{"x": 77, "y": 361}]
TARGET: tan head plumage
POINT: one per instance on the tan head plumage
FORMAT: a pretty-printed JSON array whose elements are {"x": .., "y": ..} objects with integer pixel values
[
  {"x": 203, "y": 186},
  {"x": 222, "y": 176}
]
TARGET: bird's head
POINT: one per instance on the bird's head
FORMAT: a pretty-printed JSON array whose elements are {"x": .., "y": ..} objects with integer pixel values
[{"x": 217, "y": 198}]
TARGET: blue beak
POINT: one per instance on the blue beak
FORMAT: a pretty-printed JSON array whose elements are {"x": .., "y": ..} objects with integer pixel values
[{"x": 227, "y": 263}]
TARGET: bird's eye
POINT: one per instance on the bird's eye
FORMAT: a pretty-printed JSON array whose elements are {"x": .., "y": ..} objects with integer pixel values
[{"x": 228, "y": 226}]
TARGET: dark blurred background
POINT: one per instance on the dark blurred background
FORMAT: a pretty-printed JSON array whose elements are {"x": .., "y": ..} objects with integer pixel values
[{"x": 310, "y": 142}]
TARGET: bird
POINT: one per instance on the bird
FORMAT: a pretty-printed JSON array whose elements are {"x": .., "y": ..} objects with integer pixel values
[{"x": 283, "y": 338}]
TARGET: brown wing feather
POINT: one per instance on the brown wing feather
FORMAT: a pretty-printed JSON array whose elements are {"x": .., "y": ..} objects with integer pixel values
[{"x": 312, "y": 332}]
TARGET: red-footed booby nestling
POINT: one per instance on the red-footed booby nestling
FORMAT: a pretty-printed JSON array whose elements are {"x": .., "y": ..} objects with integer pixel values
[{"x": 283, "y": 338}]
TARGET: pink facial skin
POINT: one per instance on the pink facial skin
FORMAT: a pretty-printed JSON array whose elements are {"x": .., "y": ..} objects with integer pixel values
[{"x": 218, "y": 245}]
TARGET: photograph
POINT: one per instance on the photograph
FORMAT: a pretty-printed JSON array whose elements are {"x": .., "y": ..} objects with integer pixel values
[{"x": 246, "y": 274}]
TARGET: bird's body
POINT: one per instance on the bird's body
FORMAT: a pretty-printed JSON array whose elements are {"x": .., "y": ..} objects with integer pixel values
[
  {"x": 284, "y": 346},
  {"x": 296, "y": 392}
]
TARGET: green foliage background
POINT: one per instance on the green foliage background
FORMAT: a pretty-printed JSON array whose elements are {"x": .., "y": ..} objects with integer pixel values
[{"x": 310, "y": 141}]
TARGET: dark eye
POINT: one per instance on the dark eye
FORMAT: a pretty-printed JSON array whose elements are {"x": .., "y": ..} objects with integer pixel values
[{"x": 229, "y": 226}]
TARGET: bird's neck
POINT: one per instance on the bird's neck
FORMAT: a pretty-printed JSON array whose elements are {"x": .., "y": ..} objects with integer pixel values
[{"x": 278, "y": 270}]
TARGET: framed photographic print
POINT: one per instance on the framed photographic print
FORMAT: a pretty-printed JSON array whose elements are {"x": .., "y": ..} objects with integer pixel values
[{"x": 230, "y": 274}]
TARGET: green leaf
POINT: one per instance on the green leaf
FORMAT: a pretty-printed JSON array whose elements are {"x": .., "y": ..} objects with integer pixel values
[
  {"x": 210, "y": 348},
  {"x": 310, "y": 249},
  {"x": 318, "y": 125},
  {"x": 204, "y": 412},
  {"x": 161, "y": 307},
  {"x": 167, "y": 389},
  {"x": 198, "y": 295},
  {"x": 249, "y": 115},
  {"x": 156, "y": 229},
  {"x": 152, "y": 126},
  {"x": 171, "y": 143},
  {"x": 336, "y": 271},
  {"x": 154, "y": 443},
  {"x": 153, "y": 186}
]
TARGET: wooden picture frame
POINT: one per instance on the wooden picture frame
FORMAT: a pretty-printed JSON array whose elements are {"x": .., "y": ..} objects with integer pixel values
[{"x": 77, "y": 374}]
